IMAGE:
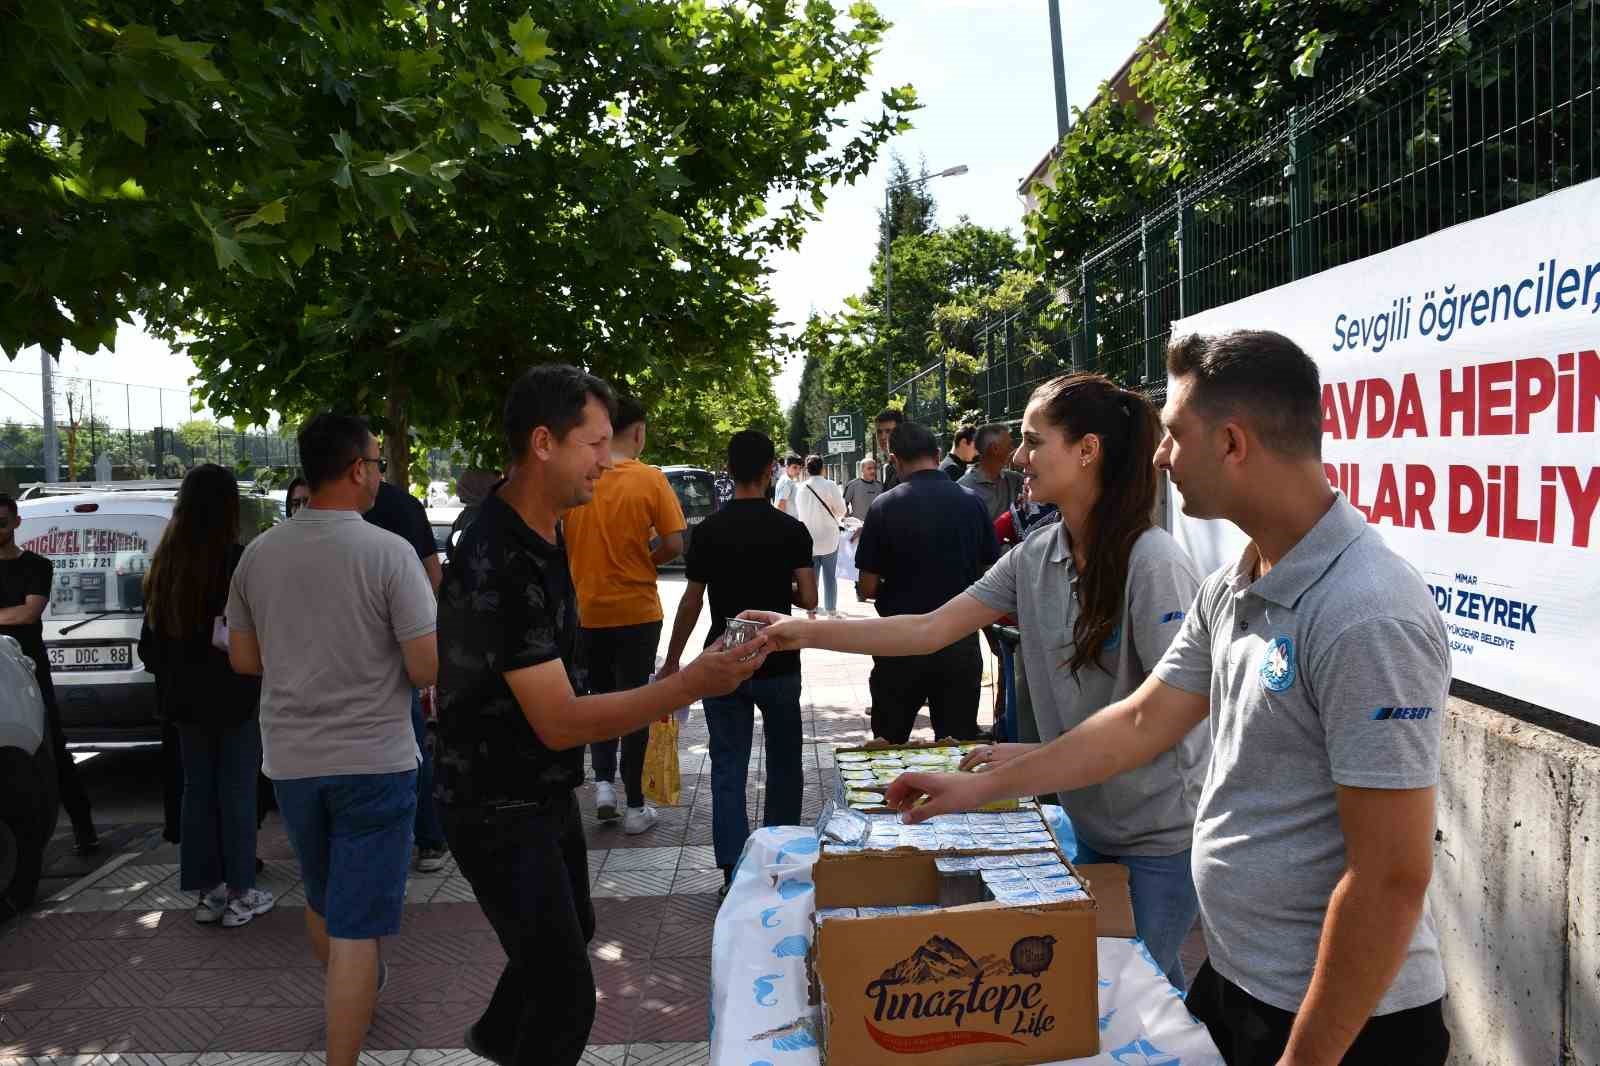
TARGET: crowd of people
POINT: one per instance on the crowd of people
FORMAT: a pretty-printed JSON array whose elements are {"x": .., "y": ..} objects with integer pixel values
[{"x": 1216, "y": 736}]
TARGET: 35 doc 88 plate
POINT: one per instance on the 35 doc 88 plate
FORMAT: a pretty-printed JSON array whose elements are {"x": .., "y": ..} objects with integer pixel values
[{"x": 90, "y": 656}]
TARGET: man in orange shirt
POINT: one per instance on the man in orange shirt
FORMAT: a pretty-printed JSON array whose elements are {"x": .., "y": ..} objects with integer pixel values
[{"x": 614, "y": 571}]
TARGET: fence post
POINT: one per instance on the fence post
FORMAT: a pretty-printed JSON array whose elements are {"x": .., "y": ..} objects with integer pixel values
[
  {"x": 1299, "y": 201},
  {"x": 1145, "y": 298},
  {"x": 1185, "y": 224},
  {"x": 944, "y": 396},
  {"x": 1086, "y": 358}
]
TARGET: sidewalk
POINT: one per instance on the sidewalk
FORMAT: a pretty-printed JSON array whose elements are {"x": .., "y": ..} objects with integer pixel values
[{"x": 120, "y": 969}]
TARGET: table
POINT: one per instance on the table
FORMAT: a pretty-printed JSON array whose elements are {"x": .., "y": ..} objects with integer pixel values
[{"x": 759, "y": 1015}]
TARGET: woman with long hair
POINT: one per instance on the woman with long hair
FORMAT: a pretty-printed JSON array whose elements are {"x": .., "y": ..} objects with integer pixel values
[
  {"x": 214, "y": 709},
  {"x": 1097, "y": 597},
  {"x": 297, "y": 496}
]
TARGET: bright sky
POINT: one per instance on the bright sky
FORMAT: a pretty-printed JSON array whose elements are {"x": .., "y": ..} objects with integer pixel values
[{"x": 982, "y": 73}]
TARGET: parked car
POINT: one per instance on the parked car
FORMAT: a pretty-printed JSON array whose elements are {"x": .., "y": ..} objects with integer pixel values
[
  {"x": 696, "y": 490},
  {"x": 441, "y": 520},
  {"x": 28, "y": 799},
  {"x": 100, "y": 542}
]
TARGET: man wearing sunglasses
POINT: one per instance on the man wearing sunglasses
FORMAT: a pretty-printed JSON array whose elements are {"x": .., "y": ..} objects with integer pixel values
[{"x": 338, "y": 619}]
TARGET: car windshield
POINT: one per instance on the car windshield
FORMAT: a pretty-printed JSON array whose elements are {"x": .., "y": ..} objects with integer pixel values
[
  {"x": 697, "y": 494},
  {"x": 99, "y": 560}
]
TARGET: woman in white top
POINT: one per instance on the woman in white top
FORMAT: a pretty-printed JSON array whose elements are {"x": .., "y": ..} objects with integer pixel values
[
  {"x": 819, "y": 503},
  {"x": 1098, "y": 598}
]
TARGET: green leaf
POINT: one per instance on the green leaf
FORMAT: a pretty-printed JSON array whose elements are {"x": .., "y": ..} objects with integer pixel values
[
  {"x": 229, "y": 251},
  {"x": 271, "y": 213},
  {"x": 529, "y": 39},
  {"x": 503, "y": 132},
  {"x": 123, "y": 105},
  {"x": 527, "y": 90}
]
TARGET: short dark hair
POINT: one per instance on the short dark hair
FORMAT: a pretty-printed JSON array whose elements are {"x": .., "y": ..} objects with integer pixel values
[
  {"x": 890, "y": 414},
  {"x": 793, "y": 460},
  {"x": 7, "y": 503},
  {"x": 813, "y": 465},
  {"x": 964, "y": 435},
  {"x": 750, "y": 454},
  {"x": 630, "y": 412},
  {"x": 1260, "y": 376},
  {"x": 552, "y": 395},
  {"x": 328, "y": 444},
  {"x": 911, "y": 442},
  {"x": 989, "y": 434}
]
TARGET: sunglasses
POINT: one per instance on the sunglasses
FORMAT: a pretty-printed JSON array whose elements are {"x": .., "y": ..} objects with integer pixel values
[{"x": 383, "y": 464}]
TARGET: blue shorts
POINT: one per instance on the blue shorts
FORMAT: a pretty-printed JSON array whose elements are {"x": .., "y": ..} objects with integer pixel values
[{"x": 352, "y": 835}]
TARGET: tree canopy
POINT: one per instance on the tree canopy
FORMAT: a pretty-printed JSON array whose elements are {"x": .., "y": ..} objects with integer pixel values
[{"x": 415, "y": 201}]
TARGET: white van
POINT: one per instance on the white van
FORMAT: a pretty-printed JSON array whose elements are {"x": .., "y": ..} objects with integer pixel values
[{"x": 100, "y": 542}]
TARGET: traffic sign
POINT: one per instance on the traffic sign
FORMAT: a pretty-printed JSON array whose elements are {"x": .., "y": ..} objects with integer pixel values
[{"x": 845, "y": 430}]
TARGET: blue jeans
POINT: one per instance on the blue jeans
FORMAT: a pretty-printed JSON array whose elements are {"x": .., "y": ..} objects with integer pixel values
[
  {"x": 352, "y": 835},
  {"x": 827, "y": 580},
  {"x": 731, "y": 721},
  {"x": 218, "y": 837},
  {"x": 428, "y": 830},
  {"x": 1164, "y": 903}
]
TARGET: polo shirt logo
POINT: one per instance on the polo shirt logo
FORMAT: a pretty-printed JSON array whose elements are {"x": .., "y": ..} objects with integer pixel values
[
  {"x": 1171, "y": 616},
  {"x": 1401, "y": 714},
  {"x": 1277, "y": 664}
]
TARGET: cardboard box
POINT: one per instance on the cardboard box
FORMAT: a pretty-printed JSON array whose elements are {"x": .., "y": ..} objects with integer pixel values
[
  {"x": 981, "y": 985},
  {"x": 977, "y": 985},
  {"x": 1108, "y": 883}
]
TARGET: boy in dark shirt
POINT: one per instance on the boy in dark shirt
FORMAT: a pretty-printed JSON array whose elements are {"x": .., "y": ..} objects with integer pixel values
[
  {"x": 24, "y": 594},
  {"x": 752, "y": 557}
]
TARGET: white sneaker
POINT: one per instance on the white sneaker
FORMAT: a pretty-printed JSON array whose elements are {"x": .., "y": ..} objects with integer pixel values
[
  {"x": 211, "y": 906},
  {"x": 639, "y": 820},
  {"x": 244, "y": 907},
  {"x": 605, "y": 801}
]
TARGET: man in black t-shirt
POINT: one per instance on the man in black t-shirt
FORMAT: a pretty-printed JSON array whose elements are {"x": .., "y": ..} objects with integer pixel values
[
  {"x": 925, "y": 541},
  {"x": 512, "y": 726},
  {"x": 402, "y": 514},
  {"x": 24, "y": 594},
  {"x": 752, "y": 557}
]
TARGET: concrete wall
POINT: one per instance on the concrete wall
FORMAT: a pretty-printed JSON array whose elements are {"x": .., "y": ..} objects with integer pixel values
[{"x": 1516, "y": 891}]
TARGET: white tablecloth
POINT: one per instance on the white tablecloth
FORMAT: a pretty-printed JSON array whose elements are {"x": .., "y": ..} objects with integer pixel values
[{"x": 759, "y": 1015}]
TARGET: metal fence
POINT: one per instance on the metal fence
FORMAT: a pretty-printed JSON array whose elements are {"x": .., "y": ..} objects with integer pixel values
[
  {"x": 1476, "y": 108},
  {"x": 128, "y": 431}
]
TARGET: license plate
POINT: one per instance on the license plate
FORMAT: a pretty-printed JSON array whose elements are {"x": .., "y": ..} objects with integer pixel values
[{"x": 90, "y": 656}]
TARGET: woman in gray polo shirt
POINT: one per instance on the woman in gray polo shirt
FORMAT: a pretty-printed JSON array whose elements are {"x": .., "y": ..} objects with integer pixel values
[{"x": 1098, "y": 597}]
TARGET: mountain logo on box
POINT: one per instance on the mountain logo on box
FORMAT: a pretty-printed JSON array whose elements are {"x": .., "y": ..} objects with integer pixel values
[{"x": 973, "y": 988}]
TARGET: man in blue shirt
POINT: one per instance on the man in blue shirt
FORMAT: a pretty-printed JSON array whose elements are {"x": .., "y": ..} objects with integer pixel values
[{"x": 925, "y": 540}]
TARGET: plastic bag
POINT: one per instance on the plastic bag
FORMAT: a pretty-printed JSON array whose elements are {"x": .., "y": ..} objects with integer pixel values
[
  {"x": 661, "y": 782},
  {"x": 844, "y": 566}
]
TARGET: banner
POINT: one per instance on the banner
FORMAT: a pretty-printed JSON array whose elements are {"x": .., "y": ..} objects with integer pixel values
[{"x": 1460, "y": 397}]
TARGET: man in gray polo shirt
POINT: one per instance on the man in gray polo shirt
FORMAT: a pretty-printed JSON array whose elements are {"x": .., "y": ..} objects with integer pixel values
[
  {"x": 1324, "y": 667},
  {"x": 338, "y": 619},
  {"x": 990, "y": 477}
]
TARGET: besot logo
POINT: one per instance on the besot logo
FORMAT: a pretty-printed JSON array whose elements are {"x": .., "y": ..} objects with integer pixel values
[{"x": 1277, "y": 664}]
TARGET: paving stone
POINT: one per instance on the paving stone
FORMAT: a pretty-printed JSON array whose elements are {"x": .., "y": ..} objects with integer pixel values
[
  {"x": 643, "y": 859},
  {"x": 677, "y": 1054},
  {"x": 633, "y": 883}
]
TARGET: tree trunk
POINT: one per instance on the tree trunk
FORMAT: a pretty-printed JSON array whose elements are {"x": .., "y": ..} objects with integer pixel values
[{"x": 397, "y": 437}]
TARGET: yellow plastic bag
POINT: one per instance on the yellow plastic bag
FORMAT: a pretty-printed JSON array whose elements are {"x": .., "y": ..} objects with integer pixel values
[{"x": 661, "y": 783}]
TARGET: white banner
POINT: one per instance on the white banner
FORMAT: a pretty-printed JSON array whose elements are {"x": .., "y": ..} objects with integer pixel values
[{"x": 1460, "y": 401}]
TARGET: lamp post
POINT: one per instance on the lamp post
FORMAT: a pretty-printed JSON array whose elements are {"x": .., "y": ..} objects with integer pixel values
[{"x": 888, "y": 262}]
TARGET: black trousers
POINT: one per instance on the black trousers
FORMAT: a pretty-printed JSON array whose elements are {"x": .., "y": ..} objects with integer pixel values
[
  {"x": 530, "y": 872},
  {"x": 619, "y": 658},
  {"x": 1249, "y": 1032},
  {"x": 947, "y": 681},
  {"x": 73, "y": 797}
]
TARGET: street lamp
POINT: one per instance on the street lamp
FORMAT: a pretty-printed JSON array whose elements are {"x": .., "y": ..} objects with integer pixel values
[{"x": 888, "y": 260}]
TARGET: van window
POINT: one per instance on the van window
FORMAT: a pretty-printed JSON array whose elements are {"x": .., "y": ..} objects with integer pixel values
[
  {"x": 697, "y": 494},
  {"x": 257, "y": 514},
  {"x": 100, "y": 560}
]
